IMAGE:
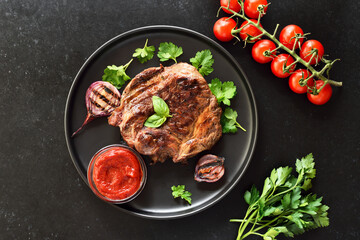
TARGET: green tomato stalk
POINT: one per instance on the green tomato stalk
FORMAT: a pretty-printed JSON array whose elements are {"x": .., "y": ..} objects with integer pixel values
[{"x": 314, "y": 73}]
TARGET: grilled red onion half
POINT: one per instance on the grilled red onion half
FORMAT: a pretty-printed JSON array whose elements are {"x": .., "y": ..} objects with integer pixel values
[
  {"x": 101, "y": 99},
  {"x": 209, "y": 168}
]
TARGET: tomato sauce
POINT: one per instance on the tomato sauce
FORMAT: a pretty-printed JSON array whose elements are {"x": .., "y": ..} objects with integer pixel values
[{"x": 117, "y": 173}]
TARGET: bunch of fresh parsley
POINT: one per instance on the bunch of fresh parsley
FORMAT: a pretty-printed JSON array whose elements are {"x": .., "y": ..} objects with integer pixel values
[
  {"x": 223, "y": 93},
  {"x": 283, "y": 206}
]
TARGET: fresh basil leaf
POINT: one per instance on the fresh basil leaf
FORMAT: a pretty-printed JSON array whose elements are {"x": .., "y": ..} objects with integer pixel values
[
  {"x": 155, "y": 121},
  {"x": 160, "y": 106}
]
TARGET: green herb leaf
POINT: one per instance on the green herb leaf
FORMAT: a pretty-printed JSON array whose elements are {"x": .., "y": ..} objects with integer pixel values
[
  {"x": 286, "y": 200},
  {"x": 168, "y": 50},
  {"x": 321, "y": 218},
  {"x": 290, "y": 182},
  {"x": 310, "y": 204},
  {"x": 295, "y": 198},
  {"x": 155, "y": 121},
  {"x": 160, "y": 106},
  {"x": 116, "y": 75},
  {"x": 307, "y": 184},
  {"x": 144, "y": 54},
  {"x": 267, "y": 187},
  {"x": 274, "y": 211},
  {"x": 282, "y": 175},
  {"x": 307, "y": 165},
  {"x": 251, "y": 197},
  {"x": 161, "y": 110},
  {"x": 274, "y": 231},
  {"x": 228, "y": 121},
  {"x": 203, "y": 62},
  {"x": 296, "y": 218},
  {"x": 222, "y": 91},
  {"x": 179, "y": 191}
]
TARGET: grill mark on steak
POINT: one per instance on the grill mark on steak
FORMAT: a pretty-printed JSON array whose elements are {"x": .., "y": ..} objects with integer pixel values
[
  {"x": 146, "y": 75},
  {"x": 195, "y": 122}
]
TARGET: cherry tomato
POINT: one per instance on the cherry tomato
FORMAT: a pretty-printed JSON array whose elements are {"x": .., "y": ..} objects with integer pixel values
[
  {"x": 234, "y": 5},
  {"x": 251, "y": 7},
  {"x": 249, "y": 30},
  {"x": 323, "y": 96},
  {"x": 296, "y": 77},
  {"x": 222, "y": 29},
  {"x": 259, "y": 49},
  {"x": 287, "y": 36},
  {"x": 307, "y": 47},
  {"x": 278, "y": 65}
]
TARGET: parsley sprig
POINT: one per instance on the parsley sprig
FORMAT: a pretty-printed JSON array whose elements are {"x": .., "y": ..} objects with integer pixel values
[
  {"x": 179, "y": 191},
  {"x": 223, "y": 93},
  {"x": 228, "y": 121},
  {"x": 203, "y": 62},
  {"x": 282, "y": 206},
  {"x": 168, "y": 50},
  {"x": 144, "y": 54},
  {"x": 116, "y": 75}
]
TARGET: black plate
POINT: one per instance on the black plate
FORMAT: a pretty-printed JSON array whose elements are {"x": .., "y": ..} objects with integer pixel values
[{"x": 156, "y": 200}]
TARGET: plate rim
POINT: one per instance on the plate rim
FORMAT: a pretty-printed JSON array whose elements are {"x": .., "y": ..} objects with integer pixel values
[{"x": 252, "y": 145}]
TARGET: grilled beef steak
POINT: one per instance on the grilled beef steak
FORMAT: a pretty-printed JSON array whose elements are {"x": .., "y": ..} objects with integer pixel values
[{"x": 195, "y": 122}]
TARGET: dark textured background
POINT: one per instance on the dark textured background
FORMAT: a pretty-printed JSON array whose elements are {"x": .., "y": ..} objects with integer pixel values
[{"x": 44, "y": 43}]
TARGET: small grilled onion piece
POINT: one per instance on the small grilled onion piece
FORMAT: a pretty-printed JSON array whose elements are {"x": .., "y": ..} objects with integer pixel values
[
  {"x": 209, "y": 168},
  {"x": 101, "y": 99}
]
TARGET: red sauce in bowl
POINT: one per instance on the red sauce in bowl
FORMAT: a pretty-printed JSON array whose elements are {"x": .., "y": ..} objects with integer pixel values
[{"x": 116, "y": 173}]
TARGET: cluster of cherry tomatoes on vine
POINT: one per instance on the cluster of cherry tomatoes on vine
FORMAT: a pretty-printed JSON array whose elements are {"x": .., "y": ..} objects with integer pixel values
[{"x": 264, "y": 50}]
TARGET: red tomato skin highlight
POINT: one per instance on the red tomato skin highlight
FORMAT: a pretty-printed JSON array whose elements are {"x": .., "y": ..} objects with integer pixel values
[
  {"x": 277, "y": 65},
  {"x": 323, "y": 96},
  {"x": 306, "y": 49},
  {"x": 234, "y": 5},
  {"x": 287, "y": 34},
  {"x": 250, "y": 7},
  {"x": 222, "y": 29},
  {"x": 259, "y": 48},
  {"x": 249, "y": 29},
  {"x": 295, "y": 78}
]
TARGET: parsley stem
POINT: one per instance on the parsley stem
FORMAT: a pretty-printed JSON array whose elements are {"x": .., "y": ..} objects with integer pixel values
[
  {"x": 261, "y": 227},
  {"x": 146, "y": 43},
  {"x": 256, "y": 219},
  {"x": 241, "y": 231},
  {"x": 246, "y": 215},
  {"x": 259, "y": 223},
  {"x": 238, "y": 124},
  {"x": 126, "y": 65},
  {"x": 253, "y": 233}
]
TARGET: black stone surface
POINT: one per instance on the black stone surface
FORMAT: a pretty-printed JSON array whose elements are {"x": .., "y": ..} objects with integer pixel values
[{"x": 44, "y": 43}]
